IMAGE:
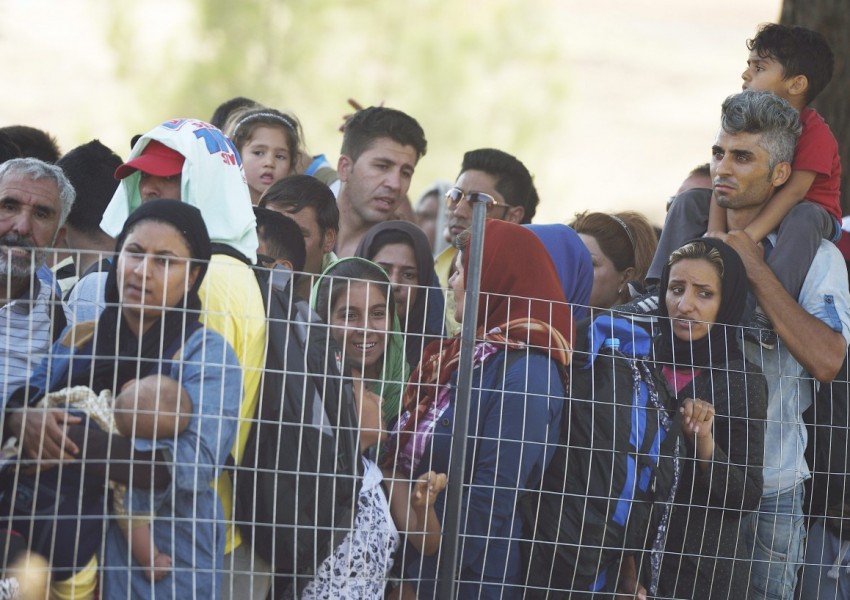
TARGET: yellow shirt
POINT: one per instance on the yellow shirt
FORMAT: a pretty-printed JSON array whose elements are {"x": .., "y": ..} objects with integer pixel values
[
  {"x": 444, "y": 265},
  {"x": 233, "y": 306}
]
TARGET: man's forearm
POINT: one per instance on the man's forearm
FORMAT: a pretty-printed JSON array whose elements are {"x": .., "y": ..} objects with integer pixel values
[{"x": 818, "y": 348}]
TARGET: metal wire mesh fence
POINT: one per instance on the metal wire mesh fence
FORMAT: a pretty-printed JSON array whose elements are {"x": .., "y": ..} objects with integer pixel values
[{"x": 149, "y": 464}]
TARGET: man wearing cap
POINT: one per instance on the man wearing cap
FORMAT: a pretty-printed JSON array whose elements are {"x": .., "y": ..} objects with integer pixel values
[
  {"x": 160, "y": 170},
  {"x": 35, "y": 199},
  {"x": 193, "y": 162}
]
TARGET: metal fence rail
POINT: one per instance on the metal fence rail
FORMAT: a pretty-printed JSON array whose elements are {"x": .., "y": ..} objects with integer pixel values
[{"x": 70, "y": 509}]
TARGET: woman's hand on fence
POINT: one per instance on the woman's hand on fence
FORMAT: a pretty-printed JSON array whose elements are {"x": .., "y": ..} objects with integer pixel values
[
  {"x": 698, "y": 426},
  {"x": 697, "y": 418}
]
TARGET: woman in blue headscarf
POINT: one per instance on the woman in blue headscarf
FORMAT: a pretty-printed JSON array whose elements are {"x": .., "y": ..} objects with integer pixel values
[{"x": 572, "y": 261}]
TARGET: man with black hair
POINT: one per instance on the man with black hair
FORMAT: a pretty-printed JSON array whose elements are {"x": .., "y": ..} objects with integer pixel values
[
  {"x": 493, "y": 173},
  {"x": 281, "y": 242},
  {"x": 89, "y": 168},
  {"x": 8, "y": 148},
  {"x": 311, "y": 204},
  {"x": 500, "y": 175},
  {"x": 33, "y": 142},
  {"x": 380, "y": 149}
]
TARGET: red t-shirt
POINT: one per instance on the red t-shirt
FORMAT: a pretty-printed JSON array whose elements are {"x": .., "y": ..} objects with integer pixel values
[{"x": 817, "y": 151}]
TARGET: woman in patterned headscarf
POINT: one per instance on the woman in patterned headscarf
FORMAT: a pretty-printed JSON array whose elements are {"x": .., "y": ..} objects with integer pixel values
[{"x": 522, "y": 346}]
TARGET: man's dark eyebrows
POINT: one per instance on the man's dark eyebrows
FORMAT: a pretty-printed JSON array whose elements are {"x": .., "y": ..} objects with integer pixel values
[
  {"x": 715, "y": 149},
  {"x": 48, "y": 208},
  {"x": 742, "y": 153}
]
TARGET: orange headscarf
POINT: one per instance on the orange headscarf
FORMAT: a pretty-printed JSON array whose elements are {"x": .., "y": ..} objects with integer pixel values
[{"x": 522, "y": 305}]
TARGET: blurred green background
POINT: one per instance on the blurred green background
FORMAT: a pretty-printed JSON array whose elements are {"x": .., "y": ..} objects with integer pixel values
[{"x": 608, "y": 102}]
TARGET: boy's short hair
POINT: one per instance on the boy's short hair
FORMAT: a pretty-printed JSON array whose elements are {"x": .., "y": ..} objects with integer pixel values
[
  {"x": 367, "y": 125},
  {"x": 296, "y": 192},
  {"x": 90, "y": 168},
  {"x": 800, "y": 51},
  {"x": 224, "y": 110},
  {"x": 33, "y": 143},
  {"x": 282, "y": 237},
  {"x": 513, "y": 181}
]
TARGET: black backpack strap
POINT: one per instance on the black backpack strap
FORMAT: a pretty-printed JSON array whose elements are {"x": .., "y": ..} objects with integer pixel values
[{"x": 58, "y": 320}]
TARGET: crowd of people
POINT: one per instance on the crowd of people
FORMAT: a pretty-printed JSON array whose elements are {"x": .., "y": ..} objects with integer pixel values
[{"x": 136, "y": 336}]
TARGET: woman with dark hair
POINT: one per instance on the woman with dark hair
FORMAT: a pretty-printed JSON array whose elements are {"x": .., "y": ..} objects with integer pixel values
[
  {"x": 402, "y": 250},
  {"x": 723, "y": 401},
  {"x": 148, "y": 338},
  {"x": 522, "y": 346},
  {"x": 353, "y": 290},
  {"x": 354, "y": 298},
  {"x": 622, "y": 246}
]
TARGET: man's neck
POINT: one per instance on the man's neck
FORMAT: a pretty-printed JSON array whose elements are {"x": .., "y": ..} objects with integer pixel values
[
  {"x": 739, "y": 218},
  {"x": 352, "y": 228}
]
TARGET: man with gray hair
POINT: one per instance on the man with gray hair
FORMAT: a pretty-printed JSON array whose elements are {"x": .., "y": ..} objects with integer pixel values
[
  {"x": 762, "y": 114},
  {"x": 750, "y": 160},
  {"x": 35, "y": 199}
]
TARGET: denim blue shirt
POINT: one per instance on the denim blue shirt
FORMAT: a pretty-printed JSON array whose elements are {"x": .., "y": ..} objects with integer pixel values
[
  {"x": 188, "y": 524},
  {"x": 790, "y": 388}
]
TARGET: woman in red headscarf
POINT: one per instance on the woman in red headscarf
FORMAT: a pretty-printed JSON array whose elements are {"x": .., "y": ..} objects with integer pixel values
[{"x": 522, "y": 348}]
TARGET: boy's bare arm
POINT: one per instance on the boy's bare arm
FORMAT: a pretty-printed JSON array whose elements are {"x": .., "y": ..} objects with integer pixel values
[
  {"x": 716, "y": 217},
  {"x": 398, "y": 496},
  {"x": 786, "y": 198},
  {"x": 425, "y": 492},
  {"x": 413, "y": 509}
]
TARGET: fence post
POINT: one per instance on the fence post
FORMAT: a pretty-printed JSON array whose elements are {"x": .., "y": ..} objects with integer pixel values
[{"x": 446, "y": 576}]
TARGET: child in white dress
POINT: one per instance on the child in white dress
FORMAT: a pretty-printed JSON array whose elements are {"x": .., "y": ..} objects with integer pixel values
[{"x": 358, "y": 567}]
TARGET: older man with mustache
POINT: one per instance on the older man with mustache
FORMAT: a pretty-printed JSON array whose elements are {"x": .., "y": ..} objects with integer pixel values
[{"x": 35, "y": 199}]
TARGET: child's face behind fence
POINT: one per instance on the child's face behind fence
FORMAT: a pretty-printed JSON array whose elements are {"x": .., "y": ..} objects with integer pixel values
[{"x": 359, "y": 320}]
